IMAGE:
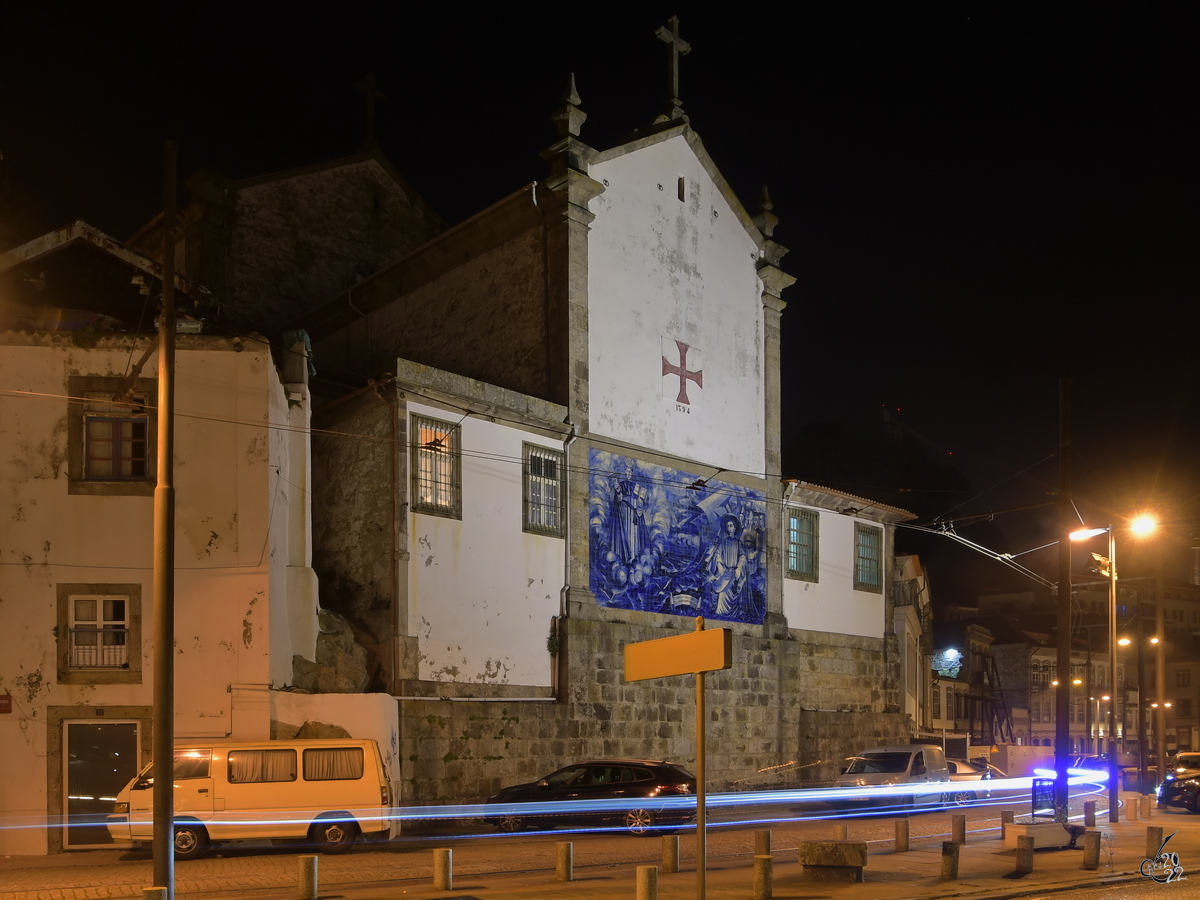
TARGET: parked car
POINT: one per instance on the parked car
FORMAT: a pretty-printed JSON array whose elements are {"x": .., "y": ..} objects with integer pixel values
[
  {"x": 1181, "y": 792},
  {"x": 1097, "y": 763},
  {"x": 962, "y": 770},
  {"x": 905, "y": 775},
  {"x": 1182, "y": 765},
  {"x": 643, "y": 787}
]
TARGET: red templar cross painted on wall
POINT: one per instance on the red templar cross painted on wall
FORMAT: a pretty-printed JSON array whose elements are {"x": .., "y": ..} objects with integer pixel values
[{"x": 681, "y": 371}]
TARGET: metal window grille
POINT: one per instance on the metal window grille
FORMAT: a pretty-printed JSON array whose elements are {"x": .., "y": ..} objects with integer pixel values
[
  {"x": 544, "y": 472},
  {"x": 98, "y": 633},
  {"x": 868, "y": 561},
  {"x": 802, "y": 544},
  {"x": 437, "y": 467}
]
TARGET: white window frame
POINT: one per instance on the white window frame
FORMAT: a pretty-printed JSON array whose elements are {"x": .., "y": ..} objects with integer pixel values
[
  {"x": 795, "y": 561},
  {"x": 436, "y": 467},
  {"x": 101, "y": 641},
  {"x": 864, "y": 565},
  {"x": 544, "y": 508}
]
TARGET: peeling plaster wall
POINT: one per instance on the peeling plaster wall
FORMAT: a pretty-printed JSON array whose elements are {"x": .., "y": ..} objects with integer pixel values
[
  {"x": 298, "y": 241},
  {"x": 832, "y": 604},
  {"x": 223, "y": 480},
  {"x": 661, "y": 268},
  {"x": 482, "y": 590}
]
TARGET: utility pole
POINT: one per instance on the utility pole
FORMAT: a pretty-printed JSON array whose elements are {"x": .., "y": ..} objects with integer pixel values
[
  {"x": 1062, "y": 725},
  {"x": 1160, "y": 668},
  {"x": 164, "y": 555}
]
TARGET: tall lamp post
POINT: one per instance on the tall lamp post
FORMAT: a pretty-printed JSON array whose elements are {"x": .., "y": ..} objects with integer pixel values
[{"x": 1141, "y": 526}]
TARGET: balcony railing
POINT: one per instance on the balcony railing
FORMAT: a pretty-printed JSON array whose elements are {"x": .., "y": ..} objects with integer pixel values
[{"x": 99, "y": 648}]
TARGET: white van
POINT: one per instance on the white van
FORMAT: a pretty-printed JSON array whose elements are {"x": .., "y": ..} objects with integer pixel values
[
  {"x": 329, "y": 791},
  {"x": 904, "y": 775}
]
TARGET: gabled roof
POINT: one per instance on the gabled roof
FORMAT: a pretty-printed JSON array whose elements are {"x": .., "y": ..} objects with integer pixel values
[
  {"x": 693, "y": 140},
  {"x": 374, "y": 154},
  {"x": 80, "y": 231}
]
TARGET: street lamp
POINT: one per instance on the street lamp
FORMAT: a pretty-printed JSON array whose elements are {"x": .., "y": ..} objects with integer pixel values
[{"x": 1141, "y": 525}]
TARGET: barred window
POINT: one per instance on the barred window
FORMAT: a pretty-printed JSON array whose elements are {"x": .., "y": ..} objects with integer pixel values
[
  {"x": 868, "y": 559},
  {"x": 544, "y": 490},
  {"x": 98, "y": 632},
  {"x": 436, "y": 467},
  {"x": 803, "y": 533}
]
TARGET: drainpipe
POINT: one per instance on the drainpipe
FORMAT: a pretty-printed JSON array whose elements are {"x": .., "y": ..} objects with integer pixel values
[{"x": 565, "y": 594}]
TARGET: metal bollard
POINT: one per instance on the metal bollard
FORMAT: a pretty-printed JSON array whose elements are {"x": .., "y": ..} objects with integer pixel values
[
  {"x": 1153, "y": 840},
  {"x": 308, "y": 878},
  {"x": 1091, "y": 850},
  {"x": 1006, "y": 819},
  {"x": 1144, "y": 806},
  {"x": 762, "y": 842},
  {"x": 1024, "y": 855},
  {"x": 764, "y": 866},
  {"x": 949, "y": 860},
  {"x": 564, "y": 862},
  {"x": 1089, "y": 813},
  {"x": 670, "y": 856},
  {"x": 647, "y": 883},
  {"x": 841, "y": 831},
  {"x": 443, "y": 869},
  {"x": 958, "y": 829},
  {"x": 902, "y": 835},
  {"x": 154, "y": 893}
]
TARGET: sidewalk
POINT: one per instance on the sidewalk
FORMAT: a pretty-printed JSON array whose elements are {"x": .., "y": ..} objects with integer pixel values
[{"x": 985, "y": 871}]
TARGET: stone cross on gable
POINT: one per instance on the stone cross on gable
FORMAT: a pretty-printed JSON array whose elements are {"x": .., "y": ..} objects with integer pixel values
[
  {"x": 677, "y": 47},
  {"x": 367, "y": 88}
]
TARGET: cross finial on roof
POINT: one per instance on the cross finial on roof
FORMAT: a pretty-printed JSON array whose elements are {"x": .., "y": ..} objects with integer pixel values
[
  {"x": 367, "y": 88},
  {"x": 676, "y": 47}
]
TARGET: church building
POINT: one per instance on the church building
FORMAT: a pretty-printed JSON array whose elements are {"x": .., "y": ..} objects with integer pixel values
[{"x": 568, "y": 440}]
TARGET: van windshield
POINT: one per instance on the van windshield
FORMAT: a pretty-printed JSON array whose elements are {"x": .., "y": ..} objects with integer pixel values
[{"x": 879, "y": 763}]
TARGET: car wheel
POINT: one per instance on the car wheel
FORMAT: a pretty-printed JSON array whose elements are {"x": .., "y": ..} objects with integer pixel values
[
  {"x": 639, "y": 821},
  {"x": 962, "y": 798},
  {"x": 334, "y": 836},
  {"x": 190, "y": 841},
  {"x": 1196, "y": 802},
  {"x": 510, "y": 823}
]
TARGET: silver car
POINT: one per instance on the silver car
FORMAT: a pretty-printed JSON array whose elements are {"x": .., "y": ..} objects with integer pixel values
[{"x": 962, "y": 771}]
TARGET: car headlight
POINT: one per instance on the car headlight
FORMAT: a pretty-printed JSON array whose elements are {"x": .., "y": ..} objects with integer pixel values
[{"x": 120, "y": 807}]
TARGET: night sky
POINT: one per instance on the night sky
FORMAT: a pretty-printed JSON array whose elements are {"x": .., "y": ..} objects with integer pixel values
[{"x": 978, "y": 199}]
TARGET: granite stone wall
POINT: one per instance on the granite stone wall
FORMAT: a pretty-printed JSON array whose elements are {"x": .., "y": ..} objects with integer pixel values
[{"x": 761, "y": 728}]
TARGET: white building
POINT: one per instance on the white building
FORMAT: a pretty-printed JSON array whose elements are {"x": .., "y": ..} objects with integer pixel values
[{"x": 78, "y": 425}]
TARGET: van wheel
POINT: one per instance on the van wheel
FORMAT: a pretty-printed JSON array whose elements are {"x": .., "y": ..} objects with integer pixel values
[
  {"x": 333, "y": 836},
  {"x": 190, "y": 841}
]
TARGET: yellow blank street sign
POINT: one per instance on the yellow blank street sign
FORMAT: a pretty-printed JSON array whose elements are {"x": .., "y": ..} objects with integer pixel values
[{"x": 683, "y": 654}]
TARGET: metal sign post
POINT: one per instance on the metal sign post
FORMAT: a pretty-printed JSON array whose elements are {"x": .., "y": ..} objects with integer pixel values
[{"x": 686, "y": 654}]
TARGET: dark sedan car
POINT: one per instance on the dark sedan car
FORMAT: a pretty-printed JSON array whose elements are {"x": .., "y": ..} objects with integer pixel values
[
  {"x": 1181, "y": 792},
  {"x": 633, "y": 793}
]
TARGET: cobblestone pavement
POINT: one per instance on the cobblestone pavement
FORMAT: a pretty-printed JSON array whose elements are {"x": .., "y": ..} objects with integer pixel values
[{"x": 604, "y": 864}]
